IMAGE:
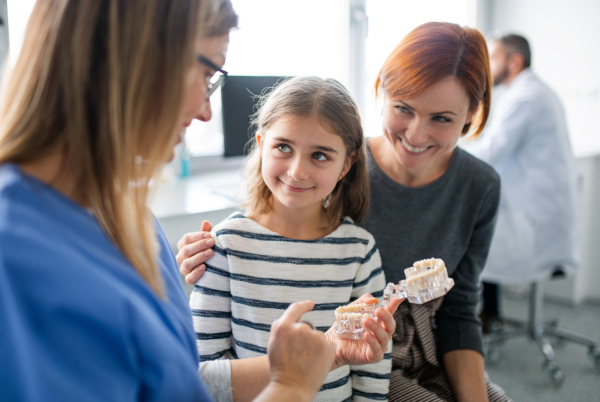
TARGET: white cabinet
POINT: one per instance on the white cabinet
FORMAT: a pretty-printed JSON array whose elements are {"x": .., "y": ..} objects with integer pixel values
[{"x": 585, "y": 284}]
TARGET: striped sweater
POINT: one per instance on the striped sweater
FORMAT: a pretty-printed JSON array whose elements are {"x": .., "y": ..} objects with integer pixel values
[{"x": 255, "y": 274}]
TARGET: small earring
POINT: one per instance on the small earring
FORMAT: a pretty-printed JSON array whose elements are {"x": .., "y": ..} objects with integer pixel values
[{"x": 340, "y": 179}]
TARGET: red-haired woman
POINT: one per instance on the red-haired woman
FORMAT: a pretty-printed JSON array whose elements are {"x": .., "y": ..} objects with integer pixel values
[{"x": 428, "y": 199}]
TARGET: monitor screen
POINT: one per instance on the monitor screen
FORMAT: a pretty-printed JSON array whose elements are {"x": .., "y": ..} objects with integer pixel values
[{"x": 239, "y": 98}]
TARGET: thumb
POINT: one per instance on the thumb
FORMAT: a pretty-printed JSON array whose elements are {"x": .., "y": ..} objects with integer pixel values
[{"x": 206, "y": 226}]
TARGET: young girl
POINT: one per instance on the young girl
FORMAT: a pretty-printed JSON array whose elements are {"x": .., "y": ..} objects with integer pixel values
[{"x": 307, "y": 185}]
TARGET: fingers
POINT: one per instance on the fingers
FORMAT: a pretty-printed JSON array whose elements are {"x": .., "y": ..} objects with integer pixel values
[
  {"x": 193, "y": 237},
  {"x": 377, "y": 345},
  {"x": 194, "y": 255},
  {"x": 393, "y": 305},
  {"x": 292, "y": 315},
  {"x": 206, "y": 226},
  {"x": 307, "y": 323},
  {"x": 299, "y": 356},
  {"x": 379, "y": 332},
  {"x": 195, "y": 274},
  {"x": 295, "y": 311},
  {"x": 194, "y": 250},
  {"x": 190, "y": 238},
  {"x": 366, "y": 298},
  {"x": 201, "y": 246}
]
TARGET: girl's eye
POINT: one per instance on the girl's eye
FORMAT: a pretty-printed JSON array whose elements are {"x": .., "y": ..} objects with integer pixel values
[
  {"x": 284, "y": 148},
  {"x": 320, "y": 156}
]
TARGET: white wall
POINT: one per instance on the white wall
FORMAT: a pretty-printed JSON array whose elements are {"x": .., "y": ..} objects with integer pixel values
[
  {"x": 564, "y": 37},
  {"x": 584, "y": 285}
]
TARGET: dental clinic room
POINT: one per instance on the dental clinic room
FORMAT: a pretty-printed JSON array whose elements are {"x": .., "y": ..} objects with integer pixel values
[{"x": 196, "y": 214}]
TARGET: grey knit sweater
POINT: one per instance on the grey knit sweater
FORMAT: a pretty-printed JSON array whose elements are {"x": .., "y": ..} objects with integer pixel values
[{"x": 453, "y": 219}]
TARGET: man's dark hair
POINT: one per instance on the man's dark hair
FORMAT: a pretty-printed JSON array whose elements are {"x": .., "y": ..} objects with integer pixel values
[{"x": 516, "y": 44}]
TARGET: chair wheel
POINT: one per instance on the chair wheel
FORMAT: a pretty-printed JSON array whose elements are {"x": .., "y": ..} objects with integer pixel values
[
  {"x": 594, "y": 355},
  {"x": 553, "y": 373}
]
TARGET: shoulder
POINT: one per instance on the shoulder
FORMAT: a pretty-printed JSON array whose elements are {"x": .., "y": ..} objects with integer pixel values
[
  {"x": 474, "y": 171},
  {"x": 238, "y": 231},
  {"x": 529, "y": 91},
  {"x": 235, "y": 220},
  {"x": 349, "y": 229},
  {"x": 28, "y": 209},
  {"x": 50, "y": 242},
  {"x": 15, "y": 191},
  {"x": 474, "y": 181}
]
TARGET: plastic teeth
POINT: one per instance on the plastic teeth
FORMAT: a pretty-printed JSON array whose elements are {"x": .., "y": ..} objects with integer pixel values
[
  {"x": 349, "y": 319},
  {"x": 425, "y": 274},
  {"x": 425, "y": 280}
]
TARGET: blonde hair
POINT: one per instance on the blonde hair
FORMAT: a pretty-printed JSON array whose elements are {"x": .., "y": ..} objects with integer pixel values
[
  {"x": 330, "y": 102},
  {"x": 104, "y": 82}
]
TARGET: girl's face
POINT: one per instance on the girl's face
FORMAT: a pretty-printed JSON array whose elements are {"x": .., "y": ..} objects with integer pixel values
[
  {"x": 423, "y": 131},
  {"x": 196, "y": 105},
  {"x": 301, "y": 162}
]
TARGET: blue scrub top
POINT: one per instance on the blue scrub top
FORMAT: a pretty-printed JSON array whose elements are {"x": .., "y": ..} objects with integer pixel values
[{"x": 78, "y": 323}]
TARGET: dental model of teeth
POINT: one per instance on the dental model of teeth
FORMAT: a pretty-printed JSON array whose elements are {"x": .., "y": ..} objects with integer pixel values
[
  {"x": 348, "y": 319},
  {"x": 425, "y": 280}
]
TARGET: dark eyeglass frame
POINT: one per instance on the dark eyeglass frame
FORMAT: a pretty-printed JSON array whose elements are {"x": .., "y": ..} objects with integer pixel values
[{"x": 213, "y": 86}]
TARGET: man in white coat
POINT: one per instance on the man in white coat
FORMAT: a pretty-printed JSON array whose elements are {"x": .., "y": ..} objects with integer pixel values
[{"x": 527, "y": 142}]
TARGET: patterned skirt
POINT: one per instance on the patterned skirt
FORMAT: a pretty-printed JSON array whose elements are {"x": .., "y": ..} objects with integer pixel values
[{"x": 416, "y": 373}]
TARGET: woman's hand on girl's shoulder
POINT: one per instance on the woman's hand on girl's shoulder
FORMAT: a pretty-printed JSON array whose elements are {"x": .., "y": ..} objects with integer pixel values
[{"x": 194, "y": 249}]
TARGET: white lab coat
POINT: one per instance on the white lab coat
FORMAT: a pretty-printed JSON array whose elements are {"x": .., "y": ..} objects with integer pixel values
[{"x": 527, "y": 142}]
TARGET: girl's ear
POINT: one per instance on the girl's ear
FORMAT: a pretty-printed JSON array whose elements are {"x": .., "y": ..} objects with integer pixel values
[{"x": 350, "y": 159}]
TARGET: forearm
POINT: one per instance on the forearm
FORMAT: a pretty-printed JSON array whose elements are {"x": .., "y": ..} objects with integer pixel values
[
  {"x": 216, "y": 375},
  {"x": 249, "y": 377},
  {"x": 465, "y": 371},
  {"x": 276, "y": 392}
]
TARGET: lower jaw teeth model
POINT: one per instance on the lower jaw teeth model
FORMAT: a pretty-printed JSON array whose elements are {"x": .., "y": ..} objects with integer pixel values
[{"x": 425, "y": 280}]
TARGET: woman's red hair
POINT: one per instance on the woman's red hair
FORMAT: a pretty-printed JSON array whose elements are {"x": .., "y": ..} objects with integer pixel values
[{"x": 432, "y": 52}]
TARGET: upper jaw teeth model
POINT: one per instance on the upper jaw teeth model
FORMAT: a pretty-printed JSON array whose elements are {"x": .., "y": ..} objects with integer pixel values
[{"x": 425, "y": 280}]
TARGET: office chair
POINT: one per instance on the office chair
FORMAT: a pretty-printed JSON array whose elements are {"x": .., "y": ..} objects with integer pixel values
[{"x": 540, "y": 332}]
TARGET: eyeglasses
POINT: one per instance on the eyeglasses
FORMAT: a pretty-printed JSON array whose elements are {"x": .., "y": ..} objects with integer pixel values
[{"x": 217, "y": 79}]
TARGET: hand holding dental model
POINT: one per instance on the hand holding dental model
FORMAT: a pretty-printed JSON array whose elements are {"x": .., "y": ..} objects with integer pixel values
[{"x": 425, "y": 280}]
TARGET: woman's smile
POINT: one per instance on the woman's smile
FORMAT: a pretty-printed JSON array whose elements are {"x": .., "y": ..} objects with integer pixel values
[{"x": 412, "y": 149}]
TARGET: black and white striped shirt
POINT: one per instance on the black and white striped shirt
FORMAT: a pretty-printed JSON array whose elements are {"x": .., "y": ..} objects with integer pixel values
[{"x": 255, "y": 274}]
